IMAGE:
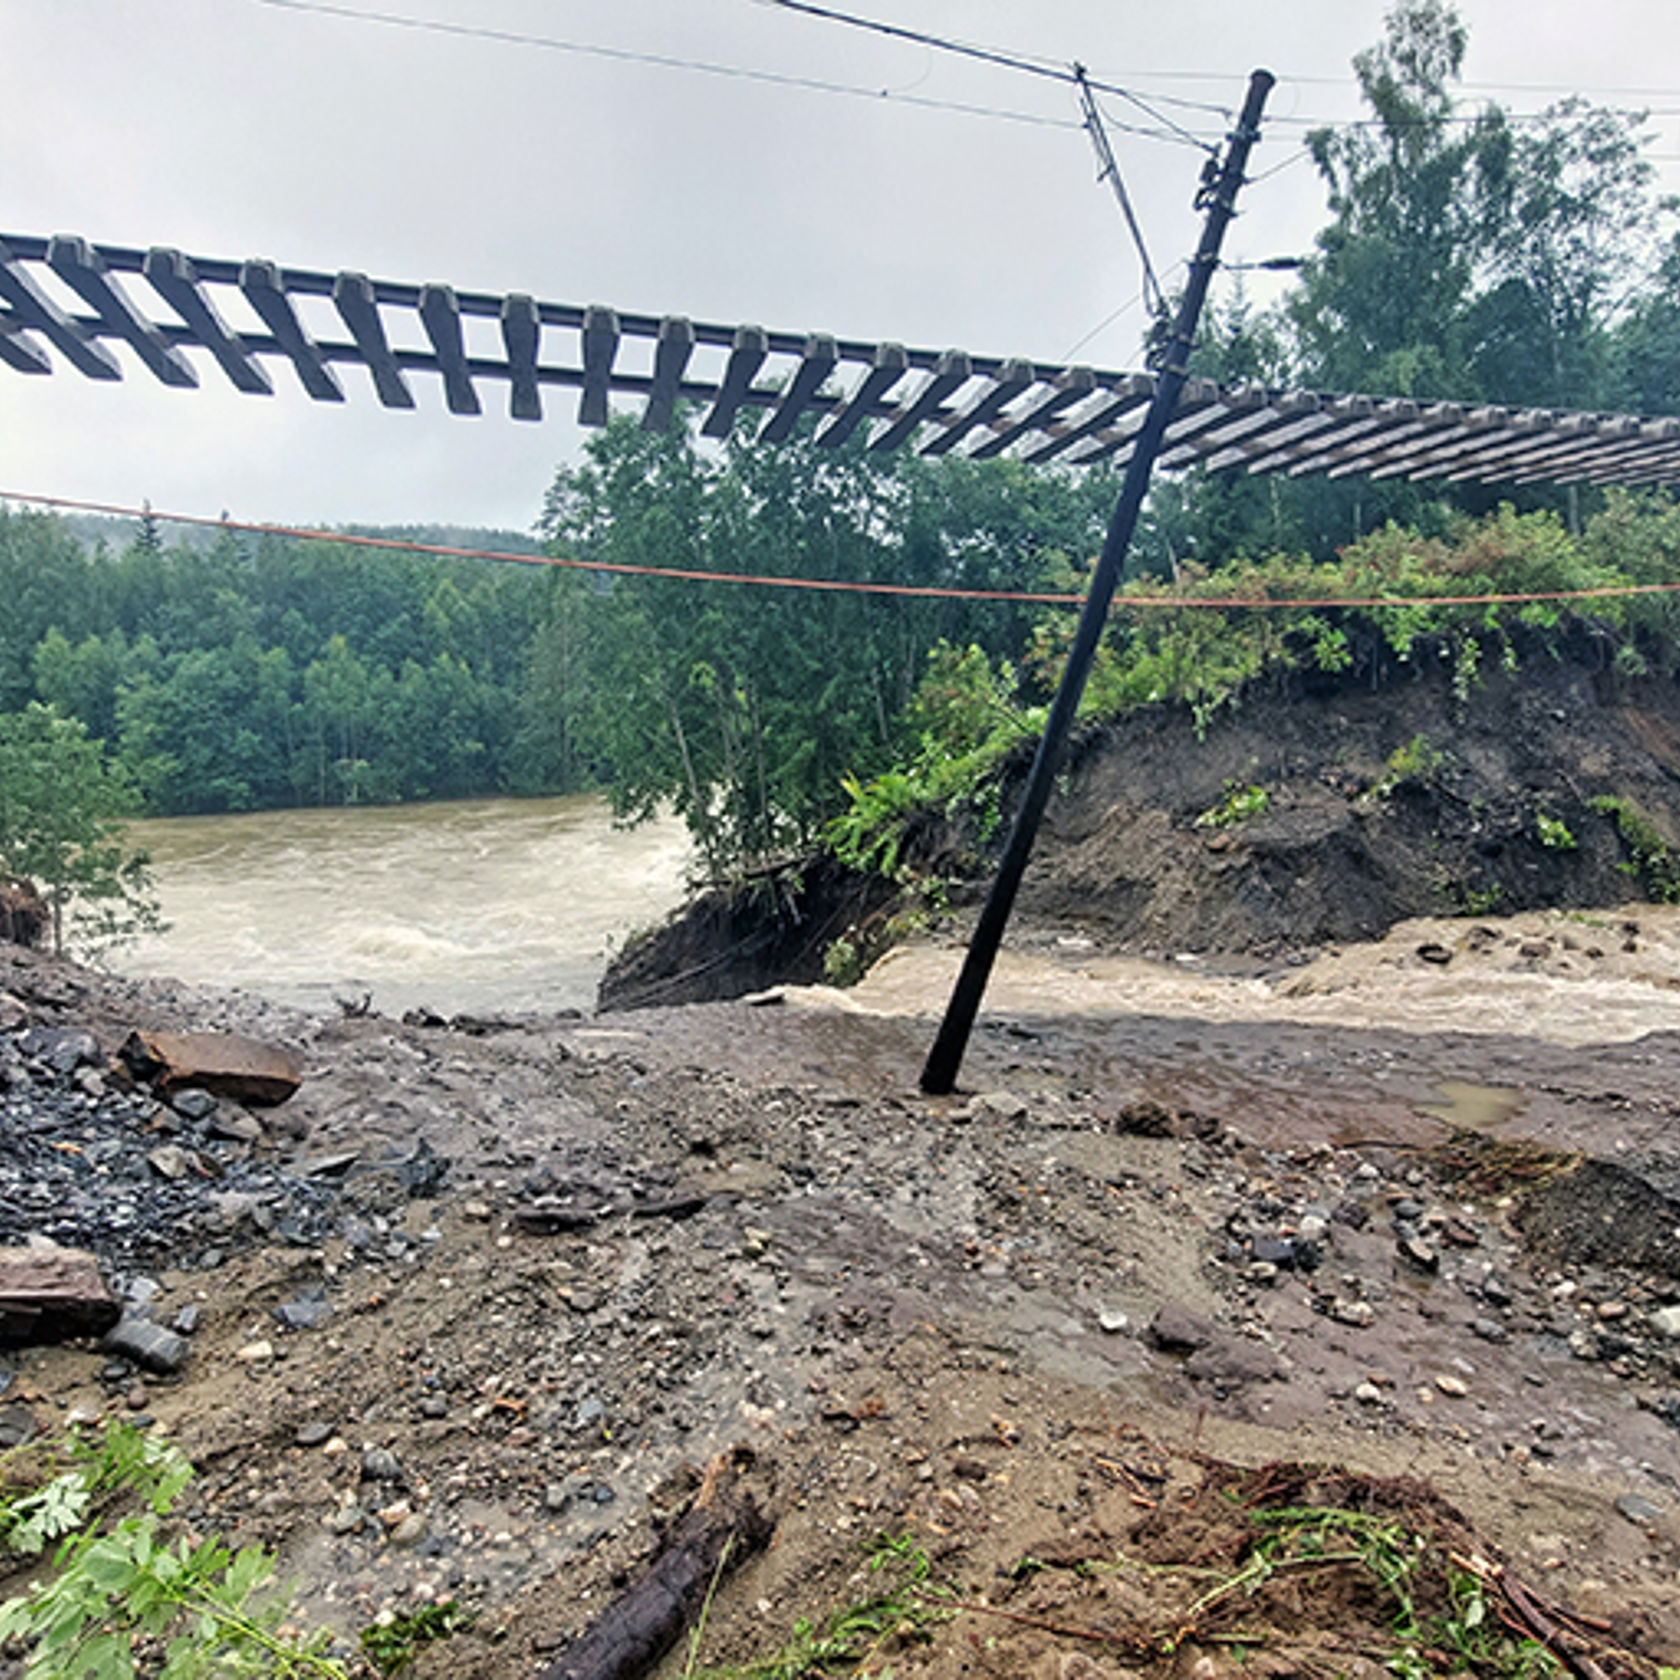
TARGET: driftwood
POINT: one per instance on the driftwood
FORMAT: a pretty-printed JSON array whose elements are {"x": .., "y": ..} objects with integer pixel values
[
  {"x": 52, "y": 1295},
  {"x": 721, "y": 1528}
]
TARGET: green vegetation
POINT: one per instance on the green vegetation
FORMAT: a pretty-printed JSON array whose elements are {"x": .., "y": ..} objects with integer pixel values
[
  {"x": 1421, "y": 1608},
  {"x": 1465, "y": 256},
  {"x": 119, "y": 1590},
  {"x": 1416, "y": 761},
  {"x": 1554, "y": 834},
  {"x": 393, "y": 1642},
  {"x": 910, "y": 1605},
  {"x": 1238, "y": 806},
  {"x": 61, "y": 805},
  {"x": 1652, "y": 858}
]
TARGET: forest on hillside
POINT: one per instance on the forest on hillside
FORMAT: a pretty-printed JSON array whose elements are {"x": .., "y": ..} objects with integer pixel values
[{"x": 1468, "y": 253}]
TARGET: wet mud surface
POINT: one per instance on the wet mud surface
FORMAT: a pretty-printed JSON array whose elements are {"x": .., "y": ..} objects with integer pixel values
[{"x": 1143, "y": 1239}]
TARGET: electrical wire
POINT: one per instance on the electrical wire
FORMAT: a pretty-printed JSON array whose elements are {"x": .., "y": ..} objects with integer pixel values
[
  {"x": 348, "y": 539},
  {"x": 1210, "y": 603},
  {"x": 1008, "y": 61},
  {"x": 665, "y": 61},
  {"x": 1108, "y": 321}
]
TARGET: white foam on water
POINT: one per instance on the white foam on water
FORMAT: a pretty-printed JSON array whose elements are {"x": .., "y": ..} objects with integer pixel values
[{"x": 482, "y": 905}]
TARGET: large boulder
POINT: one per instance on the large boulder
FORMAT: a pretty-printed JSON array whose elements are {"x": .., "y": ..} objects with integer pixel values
[
  {"x": 51, "y": 1295},
  {"x": 230, "y": 1065}
]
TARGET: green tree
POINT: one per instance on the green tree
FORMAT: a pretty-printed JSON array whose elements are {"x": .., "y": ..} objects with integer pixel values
[
  {"x": 1381, "y": 302},
  {"x": 62, "y": 805}
]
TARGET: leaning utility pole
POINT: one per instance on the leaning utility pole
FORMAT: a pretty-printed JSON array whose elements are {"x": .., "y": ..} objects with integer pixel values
[{"x": 1219, "y": 196}]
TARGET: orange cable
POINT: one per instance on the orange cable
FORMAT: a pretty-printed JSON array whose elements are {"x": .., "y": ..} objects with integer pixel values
[{"x": 1222, "y": 603}]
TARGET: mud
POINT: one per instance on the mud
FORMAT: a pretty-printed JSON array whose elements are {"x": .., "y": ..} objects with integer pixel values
[{"x": 931, "y": 1317}]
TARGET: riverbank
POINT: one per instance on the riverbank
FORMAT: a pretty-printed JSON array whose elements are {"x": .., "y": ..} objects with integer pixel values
[{"x": 1143, "y": 1240}]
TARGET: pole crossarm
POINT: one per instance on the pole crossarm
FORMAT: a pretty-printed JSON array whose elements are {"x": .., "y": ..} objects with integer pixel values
[{"x": 105, "y": 310}]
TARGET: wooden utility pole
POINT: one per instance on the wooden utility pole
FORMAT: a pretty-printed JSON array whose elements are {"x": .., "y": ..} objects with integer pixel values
[{"x": 1219, "y": 196}]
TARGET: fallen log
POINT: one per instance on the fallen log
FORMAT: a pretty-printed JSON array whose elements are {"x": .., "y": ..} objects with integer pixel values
[
  {"x": 52, "y": 1295},
  {"x": 225, "y": 1064},
  {"x": 721, "y": 1528}
]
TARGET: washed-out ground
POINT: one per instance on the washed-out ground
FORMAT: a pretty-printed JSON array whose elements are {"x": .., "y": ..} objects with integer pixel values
[{"x": 1411, "y": 1210}]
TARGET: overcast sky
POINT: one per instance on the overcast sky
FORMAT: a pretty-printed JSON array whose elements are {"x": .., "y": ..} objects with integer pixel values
[{"x": 236, "y": 128}]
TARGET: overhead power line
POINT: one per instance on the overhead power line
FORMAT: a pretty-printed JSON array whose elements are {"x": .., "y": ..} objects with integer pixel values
[
  {"x": 1030, "y": 66},
  {"x": 1161, "y": 602},
  {"x": 1108, "y": 169},
  {"x": 668, "y": 61}
]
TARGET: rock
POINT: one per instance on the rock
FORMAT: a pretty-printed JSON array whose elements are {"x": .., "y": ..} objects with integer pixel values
[
  {"x": 329, "y": 1166},
  {"x": 188, "y": 1319},
  {"x": 146, "y": 1344},
  {"x": 1175, "y": 1329},
  {"x": 1638, "y": 1510},
  {"x": 1457, "y": 1387},
  {"x": 1416, "y": 1252},
  {"x": 1146, "y": 1118},
  {"x": 170, "y": 1161},
  {"x": 52, "y": 1294},
  {"x": 224, "y": 1064},
  {"x": 17, "y": 1425},
  {"x": 1433, "y": 953},
  {"x": 1489, "y": 1330},
  {"x": 14, "y": 1013},
  {"x": 315, "y": 1434},
  {"x": 379, "y": 1464},
  {"x": 1233, "y": 1360},
  {"x": 304, "y": 1314},
  {"x": 235, "y": 1125},
  {"x": 1112, "y": 1322},
  {"x": 1496, "y": 1291},
  {"x": 1368, "y": 1394},
  {"x": 63, "y": 1049},
  {"x": 139, "y": 1292},
  {"x": 1666, "y": 1322},
  {"x": 255, "y": 1353},
  {"x": 423, "y": 1173},
  {"x": 1360, "y": 1315},
  {"x": 998, "y": 1105},
  {"x": 194, "y": 1104}
]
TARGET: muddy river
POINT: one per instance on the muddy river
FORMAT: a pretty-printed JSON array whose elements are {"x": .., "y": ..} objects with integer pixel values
[
  {"x": 477, "y": 906},
  {"x": 515, "y": 905}
]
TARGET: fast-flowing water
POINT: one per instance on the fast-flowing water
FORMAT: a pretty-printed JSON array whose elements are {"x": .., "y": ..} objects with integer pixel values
[{"x": 476, "y": 907}]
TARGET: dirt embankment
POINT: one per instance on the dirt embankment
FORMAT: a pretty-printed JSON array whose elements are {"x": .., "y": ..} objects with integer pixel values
[{"x": 1324, "y": 816}]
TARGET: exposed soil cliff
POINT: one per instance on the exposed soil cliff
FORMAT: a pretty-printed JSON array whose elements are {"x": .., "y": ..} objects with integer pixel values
[{"x": 1322, "y": 816}]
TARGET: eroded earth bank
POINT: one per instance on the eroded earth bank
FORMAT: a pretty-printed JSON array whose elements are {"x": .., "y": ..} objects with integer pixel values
[{"x": 467, "y": 1310}]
